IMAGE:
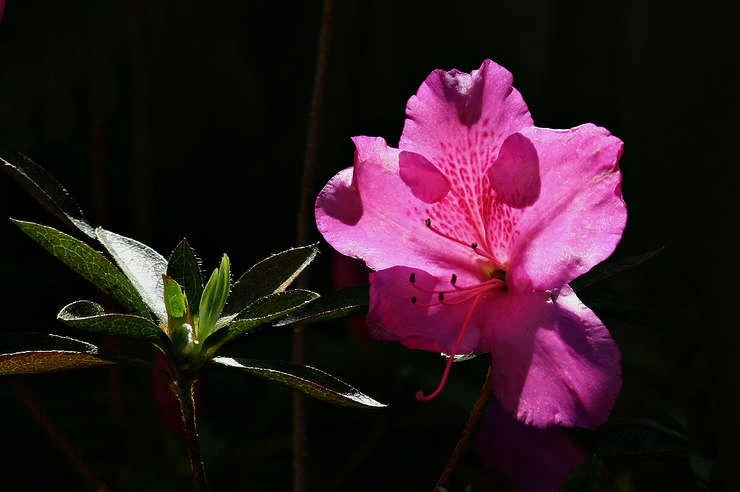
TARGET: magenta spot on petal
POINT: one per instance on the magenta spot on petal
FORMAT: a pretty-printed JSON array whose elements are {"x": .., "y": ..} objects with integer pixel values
[
  {"x": 344, "y": 204},
  {"x": 515, "y": 175},
  {"x": 426, "y": 182}
]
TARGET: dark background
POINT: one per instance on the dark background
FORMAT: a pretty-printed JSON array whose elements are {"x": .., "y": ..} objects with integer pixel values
[{"x": 168, "y": 119}]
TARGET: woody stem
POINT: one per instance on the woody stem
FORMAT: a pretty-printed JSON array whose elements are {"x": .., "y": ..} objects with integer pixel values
[{"x": 475, "y": 414}]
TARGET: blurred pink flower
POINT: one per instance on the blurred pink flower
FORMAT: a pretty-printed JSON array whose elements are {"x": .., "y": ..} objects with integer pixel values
[
  {"x": 2, "y": 9},
  {"x": 474, "y": 226},
  {"x": 536, "y": 460}
]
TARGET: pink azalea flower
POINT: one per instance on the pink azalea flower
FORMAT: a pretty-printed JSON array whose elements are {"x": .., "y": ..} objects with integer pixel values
[{"x": 473, "y": 228}]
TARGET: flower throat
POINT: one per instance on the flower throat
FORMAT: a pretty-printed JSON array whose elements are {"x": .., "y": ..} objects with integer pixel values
[{"x": 456, "y": 295}]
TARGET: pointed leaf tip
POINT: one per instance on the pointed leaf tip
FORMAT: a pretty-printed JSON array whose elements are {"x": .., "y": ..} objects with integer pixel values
[
  {"x": 185, "y": 268},
  {"x": 309, "y": 380},
  {"x": 213, "y": 299},
  {"x": 272, "y": 274},
  {"x": 36, "y": 353},
  {"x": 46, "y": 190}
]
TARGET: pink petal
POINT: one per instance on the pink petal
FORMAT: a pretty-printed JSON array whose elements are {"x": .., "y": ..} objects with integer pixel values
[
  {"x": 425, "y": 181},
  {"x": 515, "y": 174},
  {"x": 458, "y": 120},
  {"x": 553, "y": 362},
  {"x": 579, "y": 216},
  {"x": 368, "y": 212},
  {"x": 536, "y": 460},
  {"x": 394, "y": 317}
]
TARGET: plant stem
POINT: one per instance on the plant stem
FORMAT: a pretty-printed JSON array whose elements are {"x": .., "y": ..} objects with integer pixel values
[
  {"x": 475, "y": 414},
  {"x": 302, "y": 233},
  {"x": 56, "y": 435},
  {"x": 185, "y": 391}
]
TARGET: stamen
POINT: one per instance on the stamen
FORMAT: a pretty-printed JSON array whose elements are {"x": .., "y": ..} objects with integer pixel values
[
  {"x": 473, "y": 245},
  {"x": 412, "y": 278},
  {"x": 413, "y": 300},
  {"x": 453, "y": 280},
  {"x": 448, "y": 366}
]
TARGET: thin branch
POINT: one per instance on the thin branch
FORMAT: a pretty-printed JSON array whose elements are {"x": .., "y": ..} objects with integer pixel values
[
  {"x": 56, "y": 435},
  {"x": 462, "y": 444},
  {"x": 186, "y": 399},
  {"x": 304, "y": 222}
]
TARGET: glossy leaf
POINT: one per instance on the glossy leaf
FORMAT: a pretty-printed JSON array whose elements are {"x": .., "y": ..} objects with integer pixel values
[
  {"x": 611, "y": 267},
  {"x": 307, "y": 379},
  {"x": 184, "y": 266},
  {"x": 49, "y": 192},
  {"x": 36, "y": 353},
  {"x": 260, "y": 312},
  {"x": 142, "y": 265},
  {"x": 89, "y": 263},
  {"x": 90, "y": 316},
  {"x": 273, "y": 274},
  {"x": 333, "y": 305}
]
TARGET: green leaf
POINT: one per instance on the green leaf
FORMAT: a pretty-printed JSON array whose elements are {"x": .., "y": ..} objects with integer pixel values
[
  {"x": 273, "y": 274},
  {"x": 258, "y": 313},
  {"x": 174, "y": 299},
  {"x": 214, "y": 297},
  {"x": 307, "y": 379},
  {"x": 36, "y": 353},
  {"x": 142, "y": 265},
  {"x": 610, "y": 268},
  {"x": 47, "y": 191},
  {"x": 184, "y": 267},
  {"x": 590, "y": 476},
  {"x": 89, "y": 263},
  {"x": 333, "y": 305},
  {"x": 89, "y": 316},
  {"x": 638, "y": 437}
]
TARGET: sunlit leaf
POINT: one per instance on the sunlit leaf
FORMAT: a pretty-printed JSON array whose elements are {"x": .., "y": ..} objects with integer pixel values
[
  {"x": 36, "y": 353},
  {"x": 307, "y": 379},
  {"x": 184, "y": 266},
  {"x": 611, "y": 267},
  {"x": 89, "y": 316},
  {"x": 89, "y": 263},
  {"x": 214, "y": 297},
  {"x": 333, "y": 305},
  {"x": 260, "y": 312},
  {"x": 142, "y": 265},
  {"x": 273, "y": 274},
  {"x": 46, "y": 190}
]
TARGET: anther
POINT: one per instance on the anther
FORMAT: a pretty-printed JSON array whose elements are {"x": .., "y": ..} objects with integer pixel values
[
  {"x": 412, "y": 278},
  {"x": 428, "y": 222},
  {"x": 441, "y": 296},
  {"x": 453, "y": 280},
  {"x": 413, "y": 300},
  {"x": 474, "y": 245}
]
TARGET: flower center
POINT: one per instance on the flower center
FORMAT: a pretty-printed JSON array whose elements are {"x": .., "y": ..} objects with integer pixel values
[{"x": 458, "y": 294}]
